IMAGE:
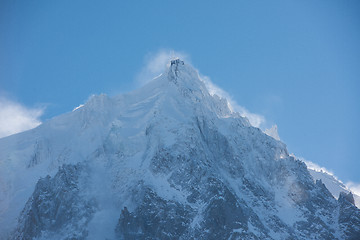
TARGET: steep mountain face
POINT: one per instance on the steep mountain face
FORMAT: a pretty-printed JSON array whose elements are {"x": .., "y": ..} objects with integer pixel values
[
  {"x": 167, "y": 161},
  {"x": 335, "y": 186}
]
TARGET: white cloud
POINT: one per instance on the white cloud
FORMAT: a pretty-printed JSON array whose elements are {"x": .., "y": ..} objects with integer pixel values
[{"x": 15, "y": 118}]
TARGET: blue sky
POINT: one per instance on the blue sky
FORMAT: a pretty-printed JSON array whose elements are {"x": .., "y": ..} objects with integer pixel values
[{"x": 297, "y": 63}]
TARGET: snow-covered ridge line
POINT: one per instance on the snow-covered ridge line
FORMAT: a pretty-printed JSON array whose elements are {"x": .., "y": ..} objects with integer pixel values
[
  {"x": 166, "y": 161},
  {"x": 333, "y": 184}
]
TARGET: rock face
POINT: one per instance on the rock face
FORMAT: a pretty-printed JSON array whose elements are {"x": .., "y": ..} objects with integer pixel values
[
  {"x": 56, "y": 208},
  {"x": 154, "y": 218},
  {"x": 167, "y": 161},
  {"x": 335, "y": 186}
]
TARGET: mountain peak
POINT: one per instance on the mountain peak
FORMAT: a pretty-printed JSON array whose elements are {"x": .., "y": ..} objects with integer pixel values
[
  {"x": 169, "y": 152},
  {"x": 186, "y": 78},
  {"x": 176, "y": 62},
  {"x": 176, "y": 66},
  {"x": 347, "y": 196}
]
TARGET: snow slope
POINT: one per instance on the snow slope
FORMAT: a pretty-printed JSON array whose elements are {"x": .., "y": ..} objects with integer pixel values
[
  {"x": 167, "y": 161},
  {"x": 333, "y": 185}
]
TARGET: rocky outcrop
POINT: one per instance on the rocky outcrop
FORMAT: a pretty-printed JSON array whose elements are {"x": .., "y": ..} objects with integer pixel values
[{"x": 56, "y": 208}]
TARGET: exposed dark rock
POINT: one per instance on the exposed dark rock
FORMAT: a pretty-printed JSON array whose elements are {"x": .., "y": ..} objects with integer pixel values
[{"x": 56, "y": 208}]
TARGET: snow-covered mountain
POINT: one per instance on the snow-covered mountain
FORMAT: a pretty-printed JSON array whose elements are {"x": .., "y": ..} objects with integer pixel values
[
  {"x": 335, "y": 186},
  {"x": 167, "y": 161}
]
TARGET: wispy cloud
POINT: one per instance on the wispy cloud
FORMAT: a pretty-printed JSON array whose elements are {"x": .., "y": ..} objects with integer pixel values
[{"x": 15, "y": 118}]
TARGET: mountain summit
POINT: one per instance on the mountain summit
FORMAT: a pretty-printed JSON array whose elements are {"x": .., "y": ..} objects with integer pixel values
[{"x": 167, "y": 161}]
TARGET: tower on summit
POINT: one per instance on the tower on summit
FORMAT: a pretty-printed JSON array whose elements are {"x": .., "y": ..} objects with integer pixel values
[{"x": 176, "y": 62}]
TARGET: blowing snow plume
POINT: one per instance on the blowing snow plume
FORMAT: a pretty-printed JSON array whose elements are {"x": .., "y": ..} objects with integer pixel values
[
  {"x": 156, "y": 63},
  {"x": 255, "y": 120}
]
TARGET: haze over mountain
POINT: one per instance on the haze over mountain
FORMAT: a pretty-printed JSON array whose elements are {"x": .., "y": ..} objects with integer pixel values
[{"x": 166, "y": 161}]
